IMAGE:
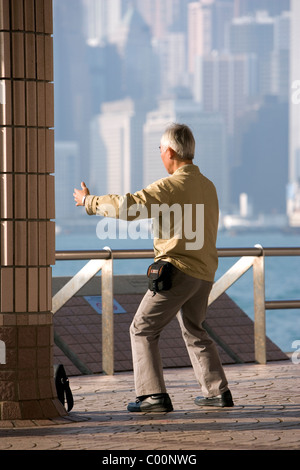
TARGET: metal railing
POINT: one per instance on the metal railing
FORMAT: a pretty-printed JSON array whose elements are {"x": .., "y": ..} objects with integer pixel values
[{"x": 103, "y": 260}]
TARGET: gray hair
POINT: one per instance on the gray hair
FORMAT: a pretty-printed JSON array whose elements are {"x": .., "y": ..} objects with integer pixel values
[{"x": 179, "y": 137}]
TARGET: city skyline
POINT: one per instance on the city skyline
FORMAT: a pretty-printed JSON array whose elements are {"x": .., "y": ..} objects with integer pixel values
[{"x": 222, "y": 66}]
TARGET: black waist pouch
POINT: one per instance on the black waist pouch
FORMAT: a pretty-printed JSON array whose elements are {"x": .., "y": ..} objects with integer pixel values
[{"x": 159, "y": 275}]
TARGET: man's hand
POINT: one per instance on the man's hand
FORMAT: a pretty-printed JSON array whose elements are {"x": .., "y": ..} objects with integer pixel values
[{"x": 80, "y": 193}]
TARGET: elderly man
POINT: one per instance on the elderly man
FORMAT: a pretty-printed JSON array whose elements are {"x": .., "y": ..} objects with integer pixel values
[{"x": 186, "y": 243}]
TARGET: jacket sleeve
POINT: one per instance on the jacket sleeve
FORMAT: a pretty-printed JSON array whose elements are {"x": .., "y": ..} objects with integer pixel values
[{"x": 139, "y": 205}]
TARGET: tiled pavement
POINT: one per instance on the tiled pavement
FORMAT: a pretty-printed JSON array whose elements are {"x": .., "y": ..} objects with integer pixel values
[{"x": 266, "y": 415}]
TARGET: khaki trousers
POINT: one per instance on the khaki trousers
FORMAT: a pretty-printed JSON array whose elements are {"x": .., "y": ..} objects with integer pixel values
[{"x": 188, "y": 300}]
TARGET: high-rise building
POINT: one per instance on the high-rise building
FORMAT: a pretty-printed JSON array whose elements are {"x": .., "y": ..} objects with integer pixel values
[
  {"x": 72, "y": 105},
  {"x": 161, "y": 15},
  {"x": 293, "y": 197},
  {"x": 171, "y": 51},
  {"x": 199, "y": 33},
  {"x": 139, "y": 64},
  {"x": 72, "y": 91},
  {"x": 255, "y": 35},
  {"x": 211, "y": 143},
  {"x": 273, "y": 7},
  {"x": 102, "y": 18},
  {"x": 280, "y": 79},
  {"x": 222, "y": 15},
  {"x": 224, "y": 83},
  {"x": 262, "y": 172},
  {"x": 116, "y": 162},
  {"x": 105, "y": 75}
]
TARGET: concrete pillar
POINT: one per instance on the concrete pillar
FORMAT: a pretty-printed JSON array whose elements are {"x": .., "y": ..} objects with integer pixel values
[{"x": 27, "y": 248}]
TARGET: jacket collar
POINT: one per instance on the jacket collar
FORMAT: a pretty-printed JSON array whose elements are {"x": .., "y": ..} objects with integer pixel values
[{"x": 188, "y": 168}]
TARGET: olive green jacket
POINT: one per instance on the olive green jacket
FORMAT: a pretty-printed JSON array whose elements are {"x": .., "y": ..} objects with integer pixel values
[{"x": 184, "y": 207}]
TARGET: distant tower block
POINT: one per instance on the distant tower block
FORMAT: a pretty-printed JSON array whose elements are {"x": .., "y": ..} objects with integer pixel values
[{"x": 27, "y": 248}]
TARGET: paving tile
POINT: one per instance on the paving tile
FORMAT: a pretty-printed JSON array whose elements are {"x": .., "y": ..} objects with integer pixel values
[{"x": 263, "y": 421}]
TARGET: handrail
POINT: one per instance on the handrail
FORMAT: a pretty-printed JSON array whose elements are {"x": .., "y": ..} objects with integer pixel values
[
  {"x": 102, "y": 254},
  {"x": 250, "y": 257},
  {"x": 72, "y": 255}
]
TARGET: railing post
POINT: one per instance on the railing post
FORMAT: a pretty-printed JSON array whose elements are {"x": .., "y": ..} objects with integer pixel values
[
  {"x": 259, "y": 309},
  {"x": 107, "y": 318},
  {"x": 230, "y": 277}
]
